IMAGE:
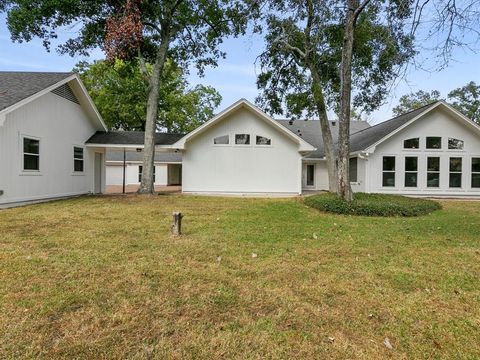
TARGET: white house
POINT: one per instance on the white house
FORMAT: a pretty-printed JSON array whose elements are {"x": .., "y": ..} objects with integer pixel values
[
  {"x": 45, "y": 120},
  {"x": 53, "y": 143},
  {"x": 431, "y": 151}
]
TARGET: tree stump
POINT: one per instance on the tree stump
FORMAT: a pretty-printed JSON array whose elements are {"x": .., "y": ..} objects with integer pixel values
[{"x": 177, "y": 224}]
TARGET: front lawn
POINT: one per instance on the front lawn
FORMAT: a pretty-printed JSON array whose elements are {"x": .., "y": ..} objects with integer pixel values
[{"x": 100, "y": 277}]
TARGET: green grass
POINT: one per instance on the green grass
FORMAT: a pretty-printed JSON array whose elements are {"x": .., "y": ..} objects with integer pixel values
[
  {"x": 100, "y": 277},
  {"x": 373, "y": 205}
]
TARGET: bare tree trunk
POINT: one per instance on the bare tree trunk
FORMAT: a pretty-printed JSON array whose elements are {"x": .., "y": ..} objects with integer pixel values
[
  {"x": 328, "y": 145},
  {"x": 147, "y": 184},
  {"x": 344, "y": 189}
]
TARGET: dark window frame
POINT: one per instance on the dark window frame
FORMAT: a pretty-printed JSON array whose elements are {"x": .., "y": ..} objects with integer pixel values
[
  {"x": 412, "y": 139},
  {"x": 30, "y": 154},
  {"x": 433, "y": 172},
  {"x": 386, "y": 173},
  {"x": 78, "y": 160},
  {"x": 432, "y": 147}
]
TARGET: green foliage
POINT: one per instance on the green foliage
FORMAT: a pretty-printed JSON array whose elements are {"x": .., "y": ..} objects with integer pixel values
[
  {"x": 415, "y": 100},
  {"x": 119, "y": 91},
  {"x": 373, "y": 205},
  {"x": 196, "y": 28},
  {"x": 466, "y": 99},
  {"x": 380, "y": 48}
]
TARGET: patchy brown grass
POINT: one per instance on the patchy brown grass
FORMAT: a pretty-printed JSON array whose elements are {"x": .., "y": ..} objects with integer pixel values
[{"x": 100, "y": 277}]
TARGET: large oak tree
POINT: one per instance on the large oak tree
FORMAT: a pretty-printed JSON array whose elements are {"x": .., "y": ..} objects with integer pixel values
[{"x": 186, "y": 31}]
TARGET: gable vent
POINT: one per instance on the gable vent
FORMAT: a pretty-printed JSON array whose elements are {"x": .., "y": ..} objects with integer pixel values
[{"x": 67, "y": 93}]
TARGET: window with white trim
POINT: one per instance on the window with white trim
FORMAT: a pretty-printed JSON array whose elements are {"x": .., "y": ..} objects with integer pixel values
[
  {"x": 413, "y": 143},
  {"x": 411, "y": 171},
  {"x": 31, "y": 154},
  {"x": 140, "y": 170},
  {"x": 77, "y": 159},
  {"x": 434, "y": 142},
  {"x": 433, "y": 172},
  {"x": 242, "y": 139},
  {"x": 388, "y": 173},
  {"x": 262, "y": 140},
  {"x": 455, "y": 144},
  {"x": 221, "y": 140},
  {"x": 476, "y": 172},
  {"x": 455, "y": 180}
]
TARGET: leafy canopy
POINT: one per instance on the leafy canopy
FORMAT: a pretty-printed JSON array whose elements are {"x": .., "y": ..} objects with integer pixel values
[
  {"x": 415, "y": 100},
  {"x": 382, "y": 45},
  {"x": 119, "y": 92},
  {"x": 465, "y": 99}
]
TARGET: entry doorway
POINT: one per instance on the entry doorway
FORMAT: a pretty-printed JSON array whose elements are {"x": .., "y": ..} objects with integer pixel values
[
  {"x": 174, "y": 174},
  {"x": 98, "y": 173},
  {"x": 310, "y": 175}
]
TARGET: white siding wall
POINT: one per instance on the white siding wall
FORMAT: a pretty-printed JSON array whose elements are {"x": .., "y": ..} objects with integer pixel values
[
  {"x": 242, "y": 169},
  {"x": 59, "y": 124},
  {"x": 115, "y": 174},
  {"x": 359, "y": 185},
  {"x": 435, "y": 123}
]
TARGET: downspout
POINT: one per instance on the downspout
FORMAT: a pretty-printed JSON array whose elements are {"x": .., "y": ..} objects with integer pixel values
[{"x": 124, "y": 167}]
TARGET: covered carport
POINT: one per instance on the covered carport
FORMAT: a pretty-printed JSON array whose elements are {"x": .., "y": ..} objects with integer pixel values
[{"x": 124, "y": 160}]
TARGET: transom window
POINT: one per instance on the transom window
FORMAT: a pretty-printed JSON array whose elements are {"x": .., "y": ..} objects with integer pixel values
[
  {"x": 433, "y": 172},
  {"x": 140, "y": 170},
  {"x": 388, "y": 178},
  {"x": 455, "y": 172},
  {"x": 413, "y": 143},
  {"x": 476, "y": 172},
  {"x": 31, "y": 154},
  {"x": 434, "y": 142},
  {"x": 262, "y": 140},
  {"x": 242, "y": 139},
  {"x": 411, "y": 171},
  {"x": 77, "y": 159},
  {"x": 222, "y": 140},
  {"x": 455, "y": 144}
]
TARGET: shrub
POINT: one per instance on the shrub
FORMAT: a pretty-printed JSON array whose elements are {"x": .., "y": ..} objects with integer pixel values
[{"x": 373, "y": 205}]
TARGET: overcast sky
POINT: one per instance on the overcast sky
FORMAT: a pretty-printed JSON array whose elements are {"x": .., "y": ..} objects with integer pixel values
[{"x": 235, "y": 76}]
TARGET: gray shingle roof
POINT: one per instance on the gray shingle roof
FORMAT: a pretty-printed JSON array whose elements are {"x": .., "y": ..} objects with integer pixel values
[
  {"x": 114, "y": 155},
  {"x": 309, "y": 130},
  {"x": 16, "y": 86},
  {"x": 131, "y": 138},
  {"x": 362, "y": 139}
]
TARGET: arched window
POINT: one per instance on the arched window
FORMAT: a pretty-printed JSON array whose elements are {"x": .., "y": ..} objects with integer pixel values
[
  {"x": 413, "y": 143},
  {"x": 262, "y": 140},
  {"x": 221, "y": 140},
  {"x": 455, "y": 144}
]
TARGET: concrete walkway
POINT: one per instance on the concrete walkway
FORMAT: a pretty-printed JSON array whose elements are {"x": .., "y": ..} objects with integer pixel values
[{"x": 117, "y": 189}]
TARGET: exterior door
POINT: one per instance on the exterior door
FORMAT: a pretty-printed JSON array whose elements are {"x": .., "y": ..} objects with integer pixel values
[{"x": 310, "y": 175}]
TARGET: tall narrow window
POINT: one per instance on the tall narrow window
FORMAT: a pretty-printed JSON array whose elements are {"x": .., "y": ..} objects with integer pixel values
[
  {"x": 411, "y": 171},
  {"x": 353, "y": 169},
  {"x": 434, "y": 142},
  {"x": 140, "y": 170},
  {"x": 455, "y": 172},
  {"x": 242, "y": 139},
  {"x": 413, "y": 143},
  {"x": 433, "y": 172},
  {"x": 388, "y": 171},
  {"x": 476, "y": 172},
  {"x": 31, "y": 154},
  {"x": 77, "y": 159},
  {"x": 310, "y": 175},
  {"x": 455, "y": 144}
]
